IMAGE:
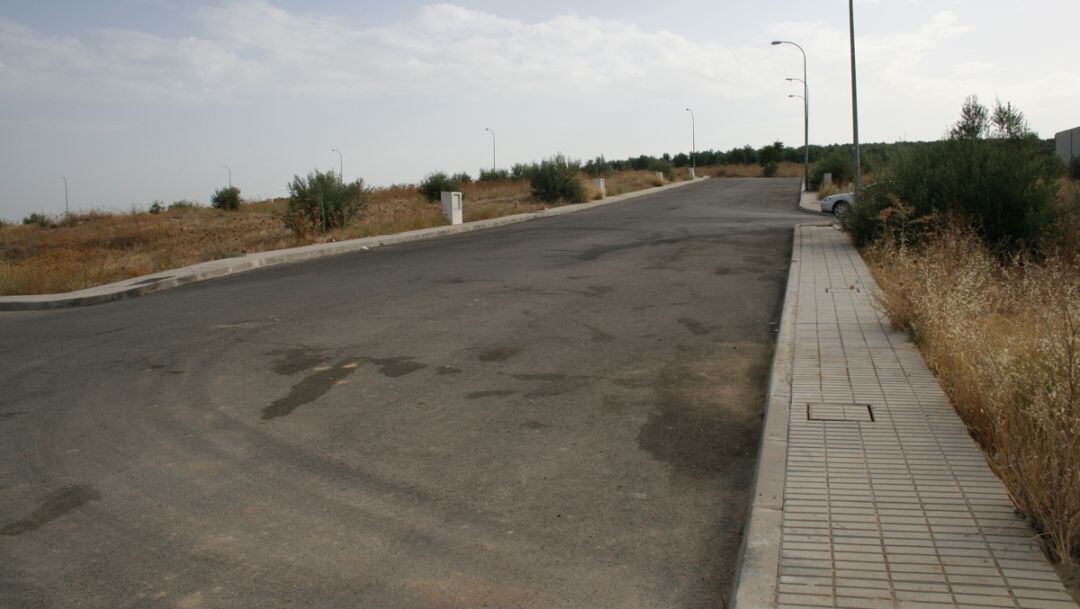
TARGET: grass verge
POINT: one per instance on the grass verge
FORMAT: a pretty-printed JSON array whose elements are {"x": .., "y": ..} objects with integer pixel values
[{"x": 1004, "y": 339}]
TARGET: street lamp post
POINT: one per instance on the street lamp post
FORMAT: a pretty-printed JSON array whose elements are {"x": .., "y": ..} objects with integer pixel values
[
  {"x": 341, "y": 164},
  {"x": 229, "y": 169},
  {"x": 693, "y": 143},
  {"x": 806, "y": 112},
  {"x": 854, "y": 104},
  {"x": 806, "y": 128},
  {"x": 67, "y": 210},
  {"x": 492, "y": 132}
]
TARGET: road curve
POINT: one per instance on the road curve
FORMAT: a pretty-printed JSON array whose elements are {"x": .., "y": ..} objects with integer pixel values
[{"x": 561, "y": 413}]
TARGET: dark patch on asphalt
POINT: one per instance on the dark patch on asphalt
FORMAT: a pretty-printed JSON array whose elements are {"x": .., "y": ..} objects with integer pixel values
[
  {"x": 498, "y": 354},
  {"x": 722, "y": 270},
  {"x": 596, "y": 291},
  {"x": 296, "y": 360},
  {"x": 394, "y": 367},
  {"x": 705, "y": 425},
  {"x": 447, "y": 370},
  {"x": 9, "y": 415},
  {"x": 535, "y": 425},
  {"x": 104, "y": 332},
  {"x": 694, "y": 326},
  {"x": 612, "y": 405},
  {"x": 310, "y": 389},
  {"x": 493, "y": 393},
  {"x": 598, "y": 335},
  {"x": 542, "y": 376},
  {"x": 762, "y": 260},
  {"x": 156, "y": 366},
  {"x": 597, "y": 251},
  {"x": 52, "y": 507}
]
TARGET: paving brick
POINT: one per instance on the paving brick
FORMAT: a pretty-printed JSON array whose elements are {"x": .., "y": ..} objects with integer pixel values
[{"x": 901, "y": 511}]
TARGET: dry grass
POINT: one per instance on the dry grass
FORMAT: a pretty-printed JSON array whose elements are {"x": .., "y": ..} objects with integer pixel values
[
  {"x": 622, "y": 182},
  {"x": 97, "y": 248},
  {"x": 1005, "y": 342}
]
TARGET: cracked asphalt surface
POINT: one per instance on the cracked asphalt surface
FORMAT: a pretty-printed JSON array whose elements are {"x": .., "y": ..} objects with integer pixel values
[{"x": 559, "y": 413}]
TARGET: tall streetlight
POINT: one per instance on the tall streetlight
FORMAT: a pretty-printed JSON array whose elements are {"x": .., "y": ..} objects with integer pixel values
[
  {"x": 341, "y": 165},
  {"x": 492, "y": 132},
  {"x": 806, "y": 128},
  {"x": 229, "y": 169},
  {"x": 693, "y": 143},
  {"x": 67, "y": 210},
  {"x": 806, "y": 111},
  {"x": 854, "y": 103}
]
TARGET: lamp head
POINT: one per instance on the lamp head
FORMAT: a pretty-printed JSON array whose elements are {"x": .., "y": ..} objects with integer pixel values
[{"x": 776, "y": 42}]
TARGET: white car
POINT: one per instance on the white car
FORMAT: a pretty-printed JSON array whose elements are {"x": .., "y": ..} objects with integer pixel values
[{"x": 837, "y": 205}]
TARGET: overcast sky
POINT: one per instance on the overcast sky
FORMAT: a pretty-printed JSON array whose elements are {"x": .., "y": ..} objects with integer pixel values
[{"x": 137, "y": 100}]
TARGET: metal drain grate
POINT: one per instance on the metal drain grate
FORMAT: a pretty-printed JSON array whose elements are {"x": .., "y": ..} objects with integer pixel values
[
  {"x": 840, "y": 412},
  {"x": 847, "y": 290}
]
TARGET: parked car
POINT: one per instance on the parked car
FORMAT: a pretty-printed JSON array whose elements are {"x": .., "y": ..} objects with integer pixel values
[{"x": 837, "y": 205}]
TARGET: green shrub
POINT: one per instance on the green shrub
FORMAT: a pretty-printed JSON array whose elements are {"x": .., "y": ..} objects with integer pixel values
[
  {"x": 462, "y": 178},
  {"x": 1002, "y": 188},
  {"x": 558, "y": 179},
  {"x": 1074, "y": 168},
  {"x": 321, "y": 202},
  {"x": 494, "y": 175},
  {"x": 770, "y": 169},
  {"x": 773, "y": 153},
  {"x": 664, "y": 166},
  {"x": 523, "y": 171},
  {"x": 37, "y": 219},
  {"x": 227, "y": 198},
  {"x": 182, "y": 205},
  {"x": 598, "y": 167},
  {"x": 838, "y": 162},
  {"x": 436, "y": 183},
  {"x": 156, "y": 207}
]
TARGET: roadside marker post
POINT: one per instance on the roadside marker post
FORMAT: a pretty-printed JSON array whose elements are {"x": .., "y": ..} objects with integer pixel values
[{"x": 451, "y": 205}]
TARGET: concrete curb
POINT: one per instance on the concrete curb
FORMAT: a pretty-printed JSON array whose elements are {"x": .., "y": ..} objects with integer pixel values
[
  {"x": 758, "y": 568},
  {"x": 808, "y": 201},
  {"x": 164, "y": 280}
]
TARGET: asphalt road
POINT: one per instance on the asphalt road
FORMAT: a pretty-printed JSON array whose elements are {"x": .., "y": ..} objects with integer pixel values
[{"x": 557, "y": 414}]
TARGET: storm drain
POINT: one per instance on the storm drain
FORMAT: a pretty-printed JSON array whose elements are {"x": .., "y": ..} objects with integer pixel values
[
  {"x": 840, "y": 412},
  {"x": 847, "y": 290}
]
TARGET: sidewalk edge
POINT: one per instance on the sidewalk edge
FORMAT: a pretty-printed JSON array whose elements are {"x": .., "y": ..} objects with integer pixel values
[{"x": 758, "y": 566}]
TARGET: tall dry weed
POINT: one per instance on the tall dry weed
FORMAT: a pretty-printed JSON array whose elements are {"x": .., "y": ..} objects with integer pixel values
[{"x": 1005, "y": 341}]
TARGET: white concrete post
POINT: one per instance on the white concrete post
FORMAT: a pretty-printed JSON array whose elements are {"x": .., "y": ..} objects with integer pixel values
[
  {"x": 660, "y": 175},
  {"x": 826, "y": 179},
  {"x": 451, "y": 206},
  {"x": 692, "y": 176},
  {"x": 601, "y": 185}
]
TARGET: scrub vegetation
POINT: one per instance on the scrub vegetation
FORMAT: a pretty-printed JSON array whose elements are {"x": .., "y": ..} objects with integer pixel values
[
  {"x": 50, "y": 254},
  {"x": 974, "y": 242}
]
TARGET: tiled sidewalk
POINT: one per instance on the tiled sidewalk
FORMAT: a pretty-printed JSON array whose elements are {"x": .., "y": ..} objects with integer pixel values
[{"x": 888, "y": 502}]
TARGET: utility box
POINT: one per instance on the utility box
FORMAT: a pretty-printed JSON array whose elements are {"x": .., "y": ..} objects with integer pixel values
[
  {"x": 826, "y": 179},
  {"x": 601, "y": 185},
  {"x": 660, "y": 175},
  {"x": 451, "y": 206}
]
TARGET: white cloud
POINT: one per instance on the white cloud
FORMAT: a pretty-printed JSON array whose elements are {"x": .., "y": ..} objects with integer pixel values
[{"x": 250, "y": 49}]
